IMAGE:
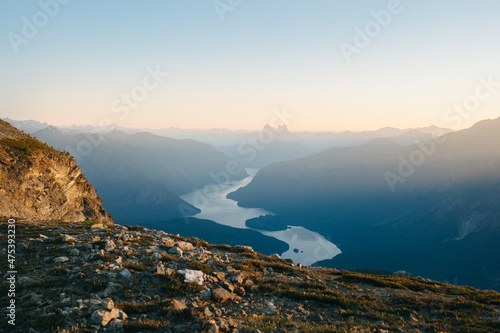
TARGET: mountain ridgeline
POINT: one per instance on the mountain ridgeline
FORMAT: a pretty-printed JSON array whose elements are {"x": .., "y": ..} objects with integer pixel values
[
  {"x": 80, "y": 276},
  {"x": 38, "y": 182},
  {"x": 431, "y": 208},
  {"x": 141, "y": 176}
]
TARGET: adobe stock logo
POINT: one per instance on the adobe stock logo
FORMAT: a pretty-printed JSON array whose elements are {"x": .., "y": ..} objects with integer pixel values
[
  {"x": 408, "y": 165},
  {"x": 122, "y": 106},
  {"x": 30, "y": 28},
  {"x": 127, "y": 102},
  {"x": 223, "y": 6},
  {"x": 372, "y": 29}
]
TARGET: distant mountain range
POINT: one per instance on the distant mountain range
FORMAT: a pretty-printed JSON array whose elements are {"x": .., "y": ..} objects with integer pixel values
[
  {"x": 141, "y": 176},
  {"x": 79, "y": 268},
  {"x": 390, "y": 199},
  {"x": 28, "y": 126},
  {"x": 432, "y": 208},
  {"x": 256, "y": 149}
]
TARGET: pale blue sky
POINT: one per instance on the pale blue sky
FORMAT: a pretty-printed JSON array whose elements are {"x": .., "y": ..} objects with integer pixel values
[{"x": 264, "y": 55}]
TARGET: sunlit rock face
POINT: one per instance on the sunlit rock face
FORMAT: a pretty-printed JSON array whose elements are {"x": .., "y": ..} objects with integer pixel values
[{"x": 40, "y": 183}]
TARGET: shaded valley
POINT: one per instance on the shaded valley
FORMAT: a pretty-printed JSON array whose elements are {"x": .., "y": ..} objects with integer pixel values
[
  {"x": 429, "y": 208},
  {"x": 141, "y": 176}
]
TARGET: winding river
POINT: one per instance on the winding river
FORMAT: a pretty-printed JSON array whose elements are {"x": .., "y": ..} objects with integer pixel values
[{"x": 306, "y": 247}]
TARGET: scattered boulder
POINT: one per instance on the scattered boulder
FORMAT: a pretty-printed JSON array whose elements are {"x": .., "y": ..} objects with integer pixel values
[
  {"x": 178, "y": 305},
  {"x": 244, "y": 247},
  {"x": 68, "y": 238},
  {"x": 227, "y": 285},
  {"x": 221, "y": 295},
  {"x": 402, "y": 274},
  {"x": 126, "y": 273},
  {"x": 213, "y": 328},
  {"x": 240, "y": 291},
  {"x": 156, "y": 255},
  {"x": 103, "y": 317},
  {"x": 184, "y": 246},
  {"x": 206, "y": 313},
  {"x": 61, "y": 259},
  {"x": 176, "y": 250},
  {"x": 116, "y": 324},
  {"x": 271, "y": 309},
  {"x": 168, "y": 242},
  {"x": 109, "y": 245},
  {"x": 108, "y": 304},
  {"x": 104, "y": 311},
  {"x": 239, "y": 278},
  {"x": 192, "y": 276},
  {"x": 162, "y": 270},
  {"x": 112, "y": 288}
]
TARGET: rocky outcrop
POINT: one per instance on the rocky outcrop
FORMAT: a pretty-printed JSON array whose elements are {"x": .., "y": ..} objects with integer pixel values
[
  {"x": 84, "y": 285},
  {"x": 38, "y": 182}
]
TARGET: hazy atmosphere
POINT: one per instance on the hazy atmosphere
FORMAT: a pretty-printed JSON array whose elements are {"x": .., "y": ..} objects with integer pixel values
[
  {"x": 253, "y": 166},
  {"x": 335, "y": 65}
]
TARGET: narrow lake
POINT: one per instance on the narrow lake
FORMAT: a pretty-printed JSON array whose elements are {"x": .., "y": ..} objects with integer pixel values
[{"x": 306, "y": 247}]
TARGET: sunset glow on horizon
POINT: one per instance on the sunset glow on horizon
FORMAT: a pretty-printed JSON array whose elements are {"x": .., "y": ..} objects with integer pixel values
[{"x": 333, "y": 66}]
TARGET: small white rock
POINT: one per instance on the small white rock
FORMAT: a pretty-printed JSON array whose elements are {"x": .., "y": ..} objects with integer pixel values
[
  {"x": 176, "y": 250},
  {"x": 126, "y": 273},
  {"x": 184, "y": 246},
  {"x": 192, "y": 276},
  {"x": 61, "y": 259},
  {"x": 109, "y": 245}
]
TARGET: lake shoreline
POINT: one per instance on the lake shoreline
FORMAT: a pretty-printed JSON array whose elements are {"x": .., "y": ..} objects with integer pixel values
[{"x": 305, "y": 246}]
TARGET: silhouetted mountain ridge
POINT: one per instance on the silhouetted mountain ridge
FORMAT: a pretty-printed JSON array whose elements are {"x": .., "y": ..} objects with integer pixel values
[
  {"x": 141, "y": 176},
  {"x": 418, "y": 207}
]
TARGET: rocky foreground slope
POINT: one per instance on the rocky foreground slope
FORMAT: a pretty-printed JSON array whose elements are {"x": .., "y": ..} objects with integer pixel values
[
  {"x": 38, "y": 182},
  {"x": 92, "y": 278}
]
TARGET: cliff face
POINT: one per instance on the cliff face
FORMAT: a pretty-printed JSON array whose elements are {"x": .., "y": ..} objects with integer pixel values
[{"x": 40, "y": 183}]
